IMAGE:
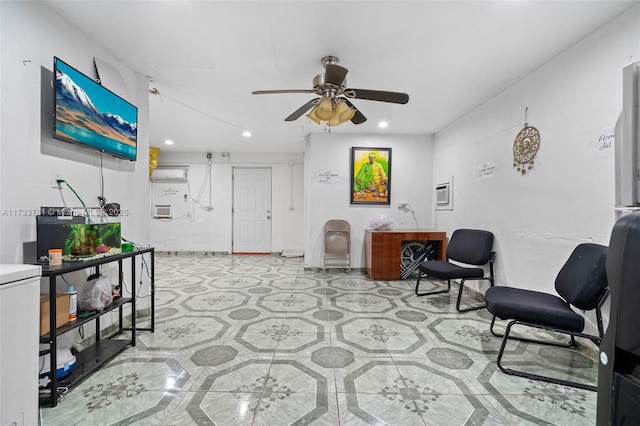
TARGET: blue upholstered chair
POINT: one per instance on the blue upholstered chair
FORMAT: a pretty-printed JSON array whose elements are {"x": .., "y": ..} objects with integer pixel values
[
  {"x": 582, "y": 282},
  {"x": 471, "y": 247}
]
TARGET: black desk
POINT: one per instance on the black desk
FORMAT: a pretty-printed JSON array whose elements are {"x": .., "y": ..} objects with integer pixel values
[{"x": 93, "y": 357}]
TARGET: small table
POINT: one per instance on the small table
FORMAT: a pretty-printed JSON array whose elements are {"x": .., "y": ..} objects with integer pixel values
[{"x": 382, "y": 254}]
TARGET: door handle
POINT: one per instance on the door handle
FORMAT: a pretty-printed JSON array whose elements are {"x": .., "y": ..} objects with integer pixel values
[{"x": 268, "y": 217}]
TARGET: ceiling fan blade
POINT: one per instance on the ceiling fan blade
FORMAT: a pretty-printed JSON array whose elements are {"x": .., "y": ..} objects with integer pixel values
[
  {"x": 359, "y": 117},
  {"x": 335, "y": 74},
  {"x": 377, "y": 95},
  {"x": 270, "y": 92},
  {"x": 304, "y": 108}
]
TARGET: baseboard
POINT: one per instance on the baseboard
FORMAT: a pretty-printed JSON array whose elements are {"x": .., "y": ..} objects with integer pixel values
[
  {"x": 334, "y": 268},
  {"x": 212, "y": 253},
  {"x": 191, "y": 253}
]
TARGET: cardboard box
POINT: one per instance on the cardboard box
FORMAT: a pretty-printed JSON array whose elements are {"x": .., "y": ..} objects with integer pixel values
[{"x": 62, "y": 311}]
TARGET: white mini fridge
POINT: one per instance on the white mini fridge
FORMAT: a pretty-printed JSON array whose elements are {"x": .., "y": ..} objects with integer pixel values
[{"x": 19, "y": 338}]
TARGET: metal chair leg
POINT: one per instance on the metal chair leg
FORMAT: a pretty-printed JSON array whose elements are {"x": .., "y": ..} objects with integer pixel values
[
  {"x": 431, "y": 292},
  {"x": 571, "y": 343},
  {"x": 532, "y": 376},
  {"x": 473, "y": 308}
]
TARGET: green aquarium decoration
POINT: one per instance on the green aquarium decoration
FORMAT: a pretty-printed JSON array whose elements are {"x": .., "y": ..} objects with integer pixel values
[{"x": 86, "y": 240}]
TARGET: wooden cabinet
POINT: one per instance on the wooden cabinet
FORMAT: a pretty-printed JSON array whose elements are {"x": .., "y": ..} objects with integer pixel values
[{"x": 382, "y": 250}]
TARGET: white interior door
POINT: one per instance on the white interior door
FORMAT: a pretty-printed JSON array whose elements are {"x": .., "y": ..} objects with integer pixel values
[{"x": 251, "y": 210}]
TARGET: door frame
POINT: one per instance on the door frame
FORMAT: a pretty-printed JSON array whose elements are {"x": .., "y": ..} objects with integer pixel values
[{"x": 233, "y": 213}]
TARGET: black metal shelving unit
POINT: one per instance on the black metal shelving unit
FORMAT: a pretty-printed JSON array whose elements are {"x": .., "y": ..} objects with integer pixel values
[{"x": 93, "y": 357}]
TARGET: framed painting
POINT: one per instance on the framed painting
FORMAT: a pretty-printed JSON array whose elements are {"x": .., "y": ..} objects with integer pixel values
[{"x": 371, "y": 176}]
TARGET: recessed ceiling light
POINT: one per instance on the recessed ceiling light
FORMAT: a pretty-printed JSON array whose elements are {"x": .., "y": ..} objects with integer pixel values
[
  {"x": 246, "y": 134},
  {"x": 168, "y": 142},
  {"x": 383, "y": 124}
]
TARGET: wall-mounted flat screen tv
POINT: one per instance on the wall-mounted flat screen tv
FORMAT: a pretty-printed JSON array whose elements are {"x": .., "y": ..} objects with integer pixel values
[{"x": 89, "y": 114}]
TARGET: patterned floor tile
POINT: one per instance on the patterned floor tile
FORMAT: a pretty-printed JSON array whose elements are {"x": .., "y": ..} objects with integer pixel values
[
  {"x": 539, "y": 408},
  {"x": 259, "y": 340}
]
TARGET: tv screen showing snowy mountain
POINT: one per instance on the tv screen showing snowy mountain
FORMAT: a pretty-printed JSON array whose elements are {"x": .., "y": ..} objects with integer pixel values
[{"x": 89, "y": 114}]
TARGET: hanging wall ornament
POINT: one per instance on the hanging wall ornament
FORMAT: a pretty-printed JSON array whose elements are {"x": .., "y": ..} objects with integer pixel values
[{"x": 525, "y": 146}]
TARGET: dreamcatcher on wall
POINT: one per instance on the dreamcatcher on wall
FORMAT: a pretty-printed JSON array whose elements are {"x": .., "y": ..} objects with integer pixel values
[{"x": 525, "y": 146}]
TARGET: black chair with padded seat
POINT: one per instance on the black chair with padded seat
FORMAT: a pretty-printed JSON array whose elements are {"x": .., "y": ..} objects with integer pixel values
[
  {"x": 582, "y": 282},
  {"x": 472, "y": 247}
]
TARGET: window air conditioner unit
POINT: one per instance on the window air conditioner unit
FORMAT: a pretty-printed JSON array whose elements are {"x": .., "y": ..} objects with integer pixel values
[
  {"x": 162, "y": 211},
  {"x": 444, "y": 195},
  {"x": 170, "y": 174}
]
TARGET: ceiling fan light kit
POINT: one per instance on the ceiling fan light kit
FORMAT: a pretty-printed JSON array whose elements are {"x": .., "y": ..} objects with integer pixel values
[
  {"x": 313, "y": 117},
  {"x": 324, "y": 110},
  {"x": 333, "y": 106},
  {"x": 343, "y": 111},
  {"x": 334, "y": 113}
]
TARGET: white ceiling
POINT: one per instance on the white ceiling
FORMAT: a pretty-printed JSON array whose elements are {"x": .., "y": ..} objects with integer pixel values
[{"x": 206, "y": 57}]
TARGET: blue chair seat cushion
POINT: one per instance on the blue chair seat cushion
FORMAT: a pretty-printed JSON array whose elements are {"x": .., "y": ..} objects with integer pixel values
[
  {"x": 447, "y": 271},
  {"x": 534, "y": 307}
]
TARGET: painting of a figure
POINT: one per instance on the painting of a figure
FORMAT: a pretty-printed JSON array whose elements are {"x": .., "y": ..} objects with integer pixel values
[{"x": 370, "y": 175}]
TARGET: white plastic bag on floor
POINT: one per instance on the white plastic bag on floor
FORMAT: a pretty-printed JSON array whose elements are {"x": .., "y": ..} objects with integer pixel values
[{"x": 381, "y": 223}]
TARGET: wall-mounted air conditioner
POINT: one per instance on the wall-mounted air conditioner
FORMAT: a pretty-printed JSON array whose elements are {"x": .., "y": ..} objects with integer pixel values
[
  {"x": 170, "y": 174},
  {"x": 162, "y": 211},
  {"x": 444, "y": 195}
]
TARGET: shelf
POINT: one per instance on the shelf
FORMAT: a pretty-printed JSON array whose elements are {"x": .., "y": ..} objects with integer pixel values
[
  {"x": 88, "y": 361},
  {"x": 80, "y": 321},
  {"x": 66, "y": 267},
  {"x": 93, "y": 357}
]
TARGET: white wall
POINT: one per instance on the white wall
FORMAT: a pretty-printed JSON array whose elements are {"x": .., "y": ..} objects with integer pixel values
[
  {"x": 411, "y": 182},
  {"x": 31, "y": 35},
  {"x": 212, "y": 231},
  {"x": 568, "y": 197}
]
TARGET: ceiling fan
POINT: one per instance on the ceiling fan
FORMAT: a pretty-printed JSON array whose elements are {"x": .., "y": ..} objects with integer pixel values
[{"x": 333, "y": 105}]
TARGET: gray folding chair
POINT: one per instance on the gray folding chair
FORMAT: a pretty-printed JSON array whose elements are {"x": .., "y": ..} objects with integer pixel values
[{"x": 337, "y": 244}]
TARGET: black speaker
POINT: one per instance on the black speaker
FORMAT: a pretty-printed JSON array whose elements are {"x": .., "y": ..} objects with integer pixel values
[{"x": 619, "y": 368}]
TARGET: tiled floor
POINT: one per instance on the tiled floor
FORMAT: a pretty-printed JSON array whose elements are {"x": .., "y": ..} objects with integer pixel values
[{"x": 257, "y": 340}]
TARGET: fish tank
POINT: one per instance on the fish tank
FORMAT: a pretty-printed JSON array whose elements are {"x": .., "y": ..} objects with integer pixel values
[{"x": 77, "y": 239}]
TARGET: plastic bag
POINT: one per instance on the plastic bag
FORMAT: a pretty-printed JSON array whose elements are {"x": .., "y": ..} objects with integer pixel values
[
  {"x": 95, "y": 295},
  {"x": 66, "y": 361},
  {"x": 381, "y": 223}
]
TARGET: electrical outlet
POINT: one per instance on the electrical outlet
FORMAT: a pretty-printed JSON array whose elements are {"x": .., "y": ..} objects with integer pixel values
[{"x": 55, "y": 176}]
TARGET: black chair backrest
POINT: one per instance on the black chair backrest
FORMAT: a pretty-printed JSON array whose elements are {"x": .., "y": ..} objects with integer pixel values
[
  {"x": 583, "y": 279},
  {"x": 470, "y": 246}
]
